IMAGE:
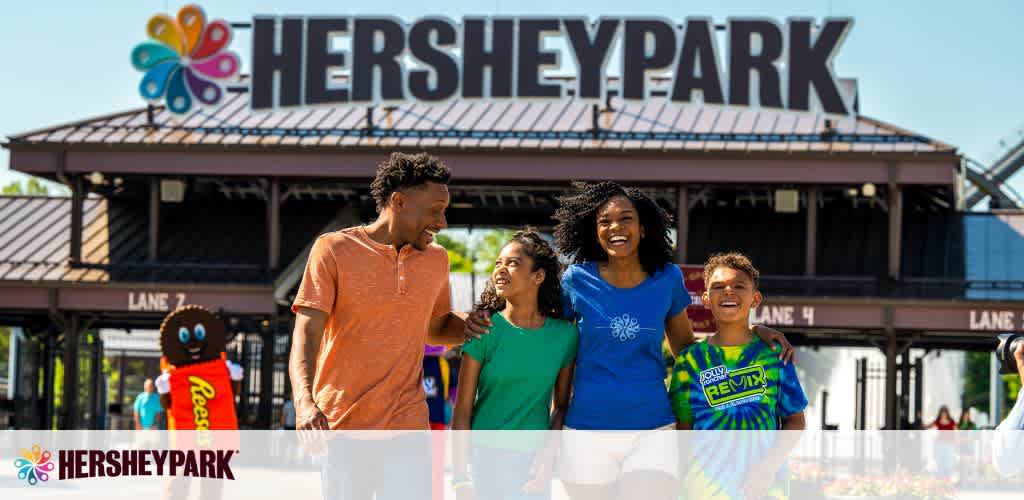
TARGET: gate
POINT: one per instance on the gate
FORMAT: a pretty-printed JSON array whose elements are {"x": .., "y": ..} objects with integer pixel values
[
  {"x": 260, "y": 397},
  {"x": 870, "y": 393}
]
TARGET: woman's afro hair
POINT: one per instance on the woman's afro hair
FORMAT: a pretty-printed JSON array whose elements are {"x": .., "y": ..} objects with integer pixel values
[{"x": 576, "y": 229}]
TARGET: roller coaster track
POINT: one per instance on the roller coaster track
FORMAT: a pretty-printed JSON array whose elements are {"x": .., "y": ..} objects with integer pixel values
[{"x": 991, "y": 180}]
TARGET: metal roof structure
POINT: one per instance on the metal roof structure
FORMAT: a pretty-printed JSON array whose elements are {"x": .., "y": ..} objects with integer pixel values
[
  {"x": 37, "y": 248},
  {"x": 657, "y": 125},
  {"x": 496, "y": 142},
  {"x": 36, "y": 272}
]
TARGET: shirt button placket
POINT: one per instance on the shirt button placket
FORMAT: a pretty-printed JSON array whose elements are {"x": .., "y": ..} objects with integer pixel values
[{"x": 401, "y": 275}]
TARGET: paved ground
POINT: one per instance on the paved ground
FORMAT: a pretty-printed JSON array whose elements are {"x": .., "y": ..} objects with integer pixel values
[{"x": 253, "y": 483}]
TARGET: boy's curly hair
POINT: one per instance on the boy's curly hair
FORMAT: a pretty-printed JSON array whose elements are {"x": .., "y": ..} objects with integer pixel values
[
  {"x": 576, "y": 232},
  {"x": 731, "y": 260},
  {"x": 402, "y": 170},
  {"x": 549, "y": 298}
]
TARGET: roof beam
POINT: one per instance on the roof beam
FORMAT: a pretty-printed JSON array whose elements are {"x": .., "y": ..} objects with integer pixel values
[{"x": 510, "y": 168}]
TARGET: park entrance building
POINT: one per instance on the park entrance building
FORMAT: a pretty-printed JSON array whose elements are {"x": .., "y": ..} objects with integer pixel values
[{"x": 854, "y": 222}]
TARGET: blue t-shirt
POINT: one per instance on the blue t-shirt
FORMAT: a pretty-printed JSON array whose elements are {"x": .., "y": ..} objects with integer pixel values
[
  {"x": 147, "y": 406},
  {"x": 620, "y": 372}
]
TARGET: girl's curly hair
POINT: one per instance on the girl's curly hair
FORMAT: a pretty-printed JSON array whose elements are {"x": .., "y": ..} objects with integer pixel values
[
  {"x": 549, "y": 297},
  {"x": 576, "y": 232}
]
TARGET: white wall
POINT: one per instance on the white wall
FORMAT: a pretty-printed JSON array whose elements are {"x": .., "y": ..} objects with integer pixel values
[{"x": 834, "y": 369}]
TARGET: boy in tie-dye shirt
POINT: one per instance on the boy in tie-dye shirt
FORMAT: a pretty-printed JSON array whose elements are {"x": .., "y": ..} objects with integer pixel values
[{"x": 734, "y": 381}]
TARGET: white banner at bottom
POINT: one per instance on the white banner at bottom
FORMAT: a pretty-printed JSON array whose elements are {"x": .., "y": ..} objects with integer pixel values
[{"x": 523, "y": 465}]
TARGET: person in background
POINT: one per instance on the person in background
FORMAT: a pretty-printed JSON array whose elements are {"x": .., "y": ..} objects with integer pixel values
[
  {"x": 1008, "y": 439},
  {"x": 968, "y": 450},
  {"x": 945, "y": 452},
  {"x": 943, "y": 421},
  {"x": 288, "y": 412},
  {"x": 438, "y": 385},
  {"x": 966, "y": 424},
  {"x": 454, "y": 358},
  {"x": 148, "y": 413}
]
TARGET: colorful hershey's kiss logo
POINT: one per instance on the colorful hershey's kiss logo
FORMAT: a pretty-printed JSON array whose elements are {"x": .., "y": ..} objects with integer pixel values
[
  {"x": 33, "y": 465},
  {"x": 185, "y": 60}
]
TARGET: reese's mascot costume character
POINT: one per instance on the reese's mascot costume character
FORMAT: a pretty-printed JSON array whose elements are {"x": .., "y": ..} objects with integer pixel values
[{"x": 196, "y": 385}]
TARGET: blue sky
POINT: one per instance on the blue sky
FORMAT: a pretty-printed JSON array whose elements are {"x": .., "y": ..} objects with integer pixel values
[{"x": 950, "y": 70}]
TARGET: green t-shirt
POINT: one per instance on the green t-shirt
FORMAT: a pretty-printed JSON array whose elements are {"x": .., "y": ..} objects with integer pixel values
[{"x": 518, "y": 372}]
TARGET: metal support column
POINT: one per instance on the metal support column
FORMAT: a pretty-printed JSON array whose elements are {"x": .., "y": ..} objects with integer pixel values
[
  {"x": 122, "y": 367},
  {"x": 682, "y": 222},
  {"x": 274, "y": 225},
  {"x": 154, "y": 220},
  {"x": 99, "y": 386},
  {"x": 905, "y": 370},
  {"x": 49, "y": 367},
  {"x": 266, "y": 407},
  {"x": 996, "y": 391},
  {"x": 77, "y": 202},
  {"x": 861, "y": 395},
  {"x": 891, "y": 401},
  {"x": 69, "y": 401},
  {"x": 895, "y": 229},
  {"x": 811, "y": 249},
  {"x": 918, "y": 387}
]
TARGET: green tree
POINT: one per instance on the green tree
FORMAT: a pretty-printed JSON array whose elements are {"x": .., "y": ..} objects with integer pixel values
[
  {"x": 976, "y": 384},
  {"x": 32, "y": 187},
  {"x": 1012, "y": 390},
  {"x": 487, "y": 248},
  {"x": 976, "y": 380},
  {"x": 5, "y": 349},
  {"x": 458, "y": 254},
  {"x": 480, "y": 249}
]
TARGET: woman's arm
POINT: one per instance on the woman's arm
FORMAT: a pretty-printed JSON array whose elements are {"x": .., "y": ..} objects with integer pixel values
[
  {"x": 679, "y": 332},
  {"x": 560, "y": 397},
  {"x": 544, "y": 460},
  {"x": 462, "y": 416},
  {"x": 775, "y": 338}
]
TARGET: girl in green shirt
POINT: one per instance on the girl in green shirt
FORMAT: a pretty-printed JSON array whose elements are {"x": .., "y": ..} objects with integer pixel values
[{"x": 509, "y": 378}]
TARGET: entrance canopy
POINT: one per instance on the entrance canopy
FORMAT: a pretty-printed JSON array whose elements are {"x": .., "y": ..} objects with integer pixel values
[{"x": 655, "y": 141}]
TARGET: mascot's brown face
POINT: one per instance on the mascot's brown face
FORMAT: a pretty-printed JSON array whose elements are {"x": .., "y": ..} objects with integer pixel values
[{"x": 191, "y": 334}]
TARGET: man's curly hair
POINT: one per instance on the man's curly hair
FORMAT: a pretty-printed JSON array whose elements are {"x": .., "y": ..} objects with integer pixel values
[
  {"x": 576, "y": 232},
  {"x": 549, "y": 298},
  {"x": 402, "y": 170}
]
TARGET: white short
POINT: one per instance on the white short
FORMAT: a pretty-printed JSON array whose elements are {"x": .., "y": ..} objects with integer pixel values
[{"x": 603, "y": 457}]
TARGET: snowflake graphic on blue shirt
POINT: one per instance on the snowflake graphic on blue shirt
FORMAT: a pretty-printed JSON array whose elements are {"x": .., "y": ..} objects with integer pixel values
[{"x": 625, "y": 327}]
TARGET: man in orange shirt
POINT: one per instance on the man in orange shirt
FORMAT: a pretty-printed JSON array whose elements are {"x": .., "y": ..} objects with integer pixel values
[{"x": 370, "y": 298}]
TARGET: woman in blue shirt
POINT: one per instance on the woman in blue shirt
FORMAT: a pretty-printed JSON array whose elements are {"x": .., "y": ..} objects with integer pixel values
[{"x": 626, "y": 295}]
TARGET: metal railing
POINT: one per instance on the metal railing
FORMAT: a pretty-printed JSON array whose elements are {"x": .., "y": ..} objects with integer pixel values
[{"x": 867, "y": 286}]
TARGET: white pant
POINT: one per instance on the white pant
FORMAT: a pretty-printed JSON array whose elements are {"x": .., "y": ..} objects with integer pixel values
[{"x": 603, "y": 457}]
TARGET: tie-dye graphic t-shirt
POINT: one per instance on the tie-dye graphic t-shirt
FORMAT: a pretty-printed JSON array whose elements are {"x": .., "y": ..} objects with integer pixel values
[{"x": 734, "y": 387}]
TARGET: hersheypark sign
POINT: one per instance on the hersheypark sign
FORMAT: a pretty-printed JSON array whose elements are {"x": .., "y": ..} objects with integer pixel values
[
  {"x": 295, "y": 60},
  {"x": 765, "y": 63}
]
